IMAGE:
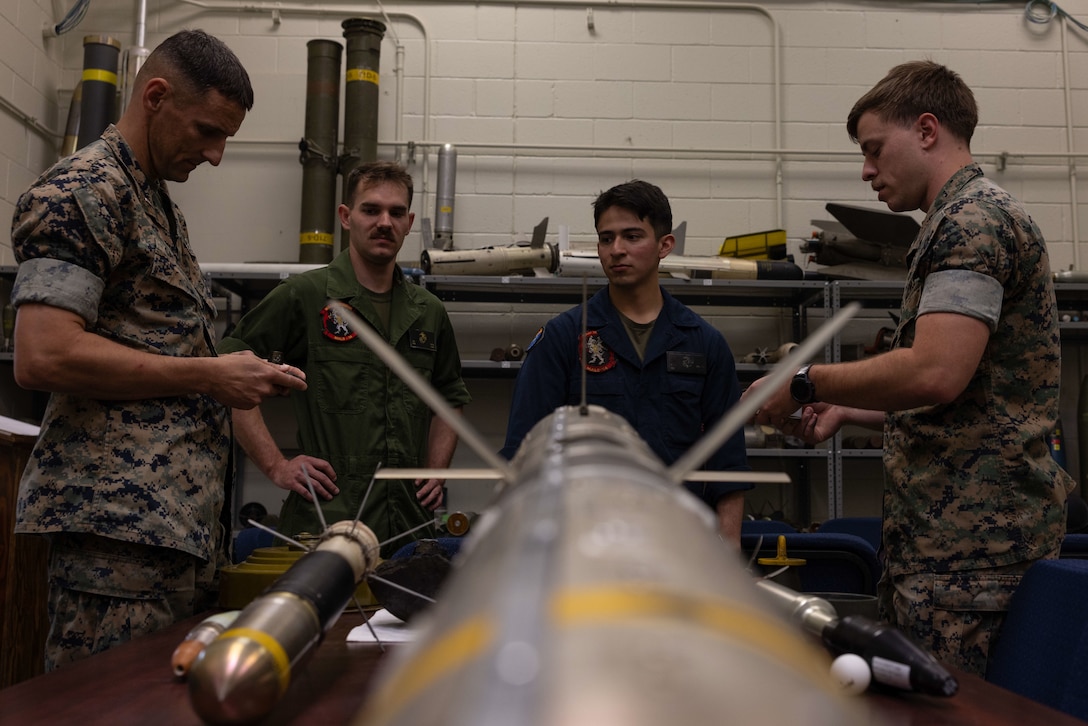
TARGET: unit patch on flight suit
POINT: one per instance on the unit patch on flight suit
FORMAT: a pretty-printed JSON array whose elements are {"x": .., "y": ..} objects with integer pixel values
[
  {"x": 677, "y": 361},
  {"x": 334, "y": 327},
  {"x": 421, "y": 340},
  {"x": 598, "y": 358}
]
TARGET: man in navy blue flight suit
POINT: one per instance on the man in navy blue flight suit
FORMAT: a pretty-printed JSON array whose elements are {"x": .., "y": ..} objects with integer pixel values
[{"x": 649, "y": 358}]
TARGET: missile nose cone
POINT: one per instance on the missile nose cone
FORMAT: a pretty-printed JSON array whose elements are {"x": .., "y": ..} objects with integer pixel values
[{"x": 235, "y": 681}]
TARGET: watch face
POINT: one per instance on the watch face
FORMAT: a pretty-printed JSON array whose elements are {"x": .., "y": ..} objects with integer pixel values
[{"x": 801, "y": 388}]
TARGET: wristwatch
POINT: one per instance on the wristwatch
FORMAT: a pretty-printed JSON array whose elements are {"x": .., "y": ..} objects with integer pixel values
[{"x": 801, "y": 387}]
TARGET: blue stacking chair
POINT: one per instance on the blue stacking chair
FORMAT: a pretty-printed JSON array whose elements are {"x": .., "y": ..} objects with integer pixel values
[
  {"x": 868, "y": 528},
  {"x": 250, "y": 539},
  {"x": 834, "y": 562},
  {"x": 766, "y": 526},
  {"x": 1042, "y": 649},
  {"x": 1075, "y": 546}
]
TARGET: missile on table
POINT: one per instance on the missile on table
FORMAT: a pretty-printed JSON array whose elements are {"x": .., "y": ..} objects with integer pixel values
[
  {"x": 893, "y": 658},
  {"x": 239, "y": 676},
  {"x": 597, "y": 591}
]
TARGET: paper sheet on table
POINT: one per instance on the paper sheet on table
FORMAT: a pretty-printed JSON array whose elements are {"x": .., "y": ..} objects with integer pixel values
[
  {"x": 389, "y": 628},
  {"x": 14, "y": 426}
]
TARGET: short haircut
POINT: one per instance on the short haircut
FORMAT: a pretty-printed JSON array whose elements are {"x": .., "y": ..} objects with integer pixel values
[
  {"x": 197, "y": 63},
  {"x": 647, "y": 201},
  {"x": 370, "y": 173},
  {"x": 918, "y": 87}
]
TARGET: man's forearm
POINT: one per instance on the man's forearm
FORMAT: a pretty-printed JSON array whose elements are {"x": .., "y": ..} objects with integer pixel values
[
  {"x": 256, "y": 439},
  {"x": 730, "y": 513}
]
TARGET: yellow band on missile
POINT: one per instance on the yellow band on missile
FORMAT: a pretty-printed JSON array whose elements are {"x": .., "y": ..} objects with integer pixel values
[
  {"x": 461, "y": 645},
  {"x": 315, "y": 238},
  {"x": 361, "y": 74},
  {"x": 280, "y": 661},
  {"x": 97, "y": 74},
  {"x": 764, "y": 636}
]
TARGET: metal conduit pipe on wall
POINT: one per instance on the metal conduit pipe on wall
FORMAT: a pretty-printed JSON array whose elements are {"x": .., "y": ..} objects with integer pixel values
[
  {"x": 276, "y": 9},
  {"x": 778, "y": 154}
]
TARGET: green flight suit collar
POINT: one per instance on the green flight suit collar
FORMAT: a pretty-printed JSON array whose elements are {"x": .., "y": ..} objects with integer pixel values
[{"x": 343, "y": 285}]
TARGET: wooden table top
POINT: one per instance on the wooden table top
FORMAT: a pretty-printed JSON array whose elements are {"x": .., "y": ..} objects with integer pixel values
[{"x": 133, "y": 684}]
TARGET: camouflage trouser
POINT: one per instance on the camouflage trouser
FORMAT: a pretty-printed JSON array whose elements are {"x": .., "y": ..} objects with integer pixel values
[
  {"x": 954, "y": 615},
  {"x": 103, "y": 592}
]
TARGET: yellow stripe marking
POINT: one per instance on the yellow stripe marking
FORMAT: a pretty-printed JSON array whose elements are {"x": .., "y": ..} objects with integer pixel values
[
  {"x": 601, "y": 607},
  {"x": 462, "y": 644},
  {"x": 279, "y": 656},
  {"x": 362, "y": 74},
  {"x": 97, "y": 74},
  {"x": 766, "y": 636},
  {"x": 314, "y": 238}
]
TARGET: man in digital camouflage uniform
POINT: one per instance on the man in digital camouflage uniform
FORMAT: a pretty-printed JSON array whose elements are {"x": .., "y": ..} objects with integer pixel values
[
  {"x": 972, "y": 496},
  {"x": 357, "y": 414},
  {"x": 114, "y": 319}
]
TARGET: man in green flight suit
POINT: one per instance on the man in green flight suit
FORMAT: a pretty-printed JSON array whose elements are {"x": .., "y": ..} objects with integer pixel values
[{"x": 356, "y": 414}]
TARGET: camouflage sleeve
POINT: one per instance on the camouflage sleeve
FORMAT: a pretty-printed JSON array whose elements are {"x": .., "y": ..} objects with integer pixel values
[
  {"x": 970, "y": 260},
  {"x": 72, "y": 219},
  {"x": 60, "y": 284},
  {"x": 965, "y": 292},
  {"x": 66, "y": 234}
]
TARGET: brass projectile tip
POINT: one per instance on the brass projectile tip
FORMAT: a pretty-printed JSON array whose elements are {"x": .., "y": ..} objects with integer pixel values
[{"x": 236, "y": 681}]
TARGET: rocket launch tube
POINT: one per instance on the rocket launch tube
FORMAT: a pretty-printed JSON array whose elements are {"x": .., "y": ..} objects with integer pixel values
[
  {"x": 317, "y": 223},
  {"x": 99, "y": 92},
  {"x": 239, "y": 676},
  {"x": 361, "y": 81}
]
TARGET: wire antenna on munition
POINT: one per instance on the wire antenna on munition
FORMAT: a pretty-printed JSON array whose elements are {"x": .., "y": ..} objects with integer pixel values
[
  {"x": 734, "y": 421},
  {"x": 583, "y": 407}
]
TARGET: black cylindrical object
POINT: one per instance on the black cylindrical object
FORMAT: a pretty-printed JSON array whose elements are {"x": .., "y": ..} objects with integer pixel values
[
  {"x": 317, "y": 224},
  {"x": 895, "y": 660},
  {"x": 97, "y": 108},
  {"x": 364, "y": 45}
]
